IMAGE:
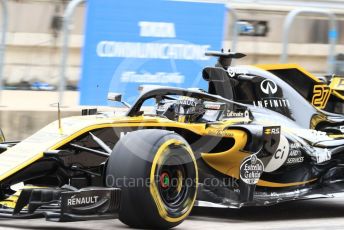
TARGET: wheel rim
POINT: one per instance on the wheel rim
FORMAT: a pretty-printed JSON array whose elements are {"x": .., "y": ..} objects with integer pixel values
[
  {"x": 175, "y": 175},
  {"x": 172, "y": 186}
]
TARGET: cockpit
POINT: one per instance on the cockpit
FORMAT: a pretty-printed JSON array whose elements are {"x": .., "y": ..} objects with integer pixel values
[{"x": 187, "y": 105}]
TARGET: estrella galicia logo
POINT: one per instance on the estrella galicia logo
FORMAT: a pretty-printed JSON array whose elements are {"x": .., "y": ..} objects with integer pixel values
[
  {"x": 268, "y": 86},
  {"x": 251, "y": 169}
]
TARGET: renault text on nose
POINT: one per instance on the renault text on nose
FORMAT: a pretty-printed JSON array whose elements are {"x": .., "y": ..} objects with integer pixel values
[{"x": 82, "y": 200}]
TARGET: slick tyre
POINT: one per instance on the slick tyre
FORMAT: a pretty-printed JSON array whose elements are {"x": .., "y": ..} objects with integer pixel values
[{"x": 157, "y": 173}]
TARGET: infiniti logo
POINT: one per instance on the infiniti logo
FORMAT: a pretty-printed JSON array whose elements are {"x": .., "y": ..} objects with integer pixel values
[{"x": 268, "y": 86}]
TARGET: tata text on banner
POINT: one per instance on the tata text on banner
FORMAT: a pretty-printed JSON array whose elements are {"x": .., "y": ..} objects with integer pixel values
[{"x": 159, "y": 42}]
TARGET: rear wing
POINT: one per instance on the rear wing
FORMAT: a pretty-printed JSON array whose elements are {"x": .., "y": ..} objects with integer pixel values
[{"x": 337, "y": 83}]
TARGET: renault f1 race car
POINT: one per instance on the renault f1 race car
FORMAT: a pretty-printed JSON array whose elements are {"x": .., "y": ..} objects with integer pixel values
[{"x": 259, "y": 135}]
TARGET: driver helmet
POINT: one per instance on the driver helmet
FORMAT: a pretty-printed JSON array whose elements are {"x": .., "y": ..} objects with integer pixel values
[{"x": 189, "y": 109}]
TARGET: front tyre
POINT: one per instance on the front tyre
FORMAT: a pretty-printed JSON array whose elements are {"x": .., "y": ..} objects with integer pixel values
[{"x": 157, "y": 173}]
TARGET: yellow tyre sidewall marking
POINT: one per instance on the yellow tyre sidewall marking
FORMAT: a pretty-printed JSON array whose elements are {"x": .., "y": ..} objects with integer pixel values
[{"x": 153, "y": 188}]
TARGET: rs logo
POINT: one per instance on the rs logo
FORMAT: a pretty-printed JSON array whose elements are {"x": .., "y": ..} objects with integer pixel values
[{"x": 321, "y": 94}]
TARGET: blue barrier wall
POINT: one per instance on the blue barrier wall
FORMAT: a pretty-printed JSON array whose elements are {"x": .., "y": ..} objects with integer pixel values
[{"x": 130, "y": 43}]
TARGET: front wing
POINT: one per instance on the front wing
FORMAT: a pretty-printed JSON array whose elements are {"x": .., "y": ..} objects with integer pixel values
[{"x": 63, "y": 204}]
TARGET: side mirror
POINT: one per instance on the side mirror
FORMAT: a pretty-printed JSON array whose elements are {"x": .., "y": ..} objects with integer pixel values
[
  {"x": 114, "y": 97},
  {"x": 2, "y": 136},
  {"x": 117, "y": 97}
]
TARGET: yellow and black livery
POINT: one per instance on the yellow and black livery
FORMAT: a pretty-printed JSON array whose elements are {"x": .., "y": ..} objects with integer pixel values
[{"x": 149, "y": 168}]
